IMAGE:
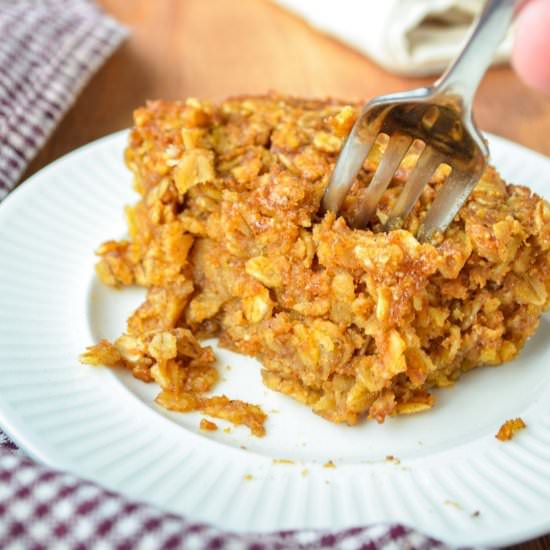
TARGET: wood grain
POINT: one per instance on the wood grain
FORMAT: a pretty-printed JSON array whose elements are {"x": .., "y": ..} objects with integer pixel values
[{"x": 218, "y": 48}]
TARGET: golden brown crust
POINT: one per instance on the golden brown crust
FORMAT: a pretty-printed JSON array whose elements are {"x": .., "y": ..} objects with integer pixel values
[{"x": 229, "y": 240}]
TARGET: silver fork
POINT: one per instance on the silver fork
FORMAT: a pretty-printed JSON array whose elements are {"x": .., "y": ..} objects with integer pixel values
[{"x": 440, "y": 116}]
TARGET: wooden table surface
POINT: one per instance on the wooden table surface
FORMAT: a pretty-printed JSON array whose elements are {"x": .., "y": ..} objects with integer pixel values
[{"x": 218, "y": 48}]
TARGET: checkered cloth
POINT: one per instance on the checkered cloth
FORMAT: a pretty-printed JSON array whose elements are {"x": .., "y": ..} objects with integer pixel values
[
  {"x": 41, "y": 508},
  {"x": 49, "y": 49}
]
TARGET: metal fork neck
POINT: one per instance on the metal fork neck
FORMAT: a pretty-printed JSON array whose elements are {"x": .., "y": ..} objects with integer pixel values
[{"x": 462, "y": 78}]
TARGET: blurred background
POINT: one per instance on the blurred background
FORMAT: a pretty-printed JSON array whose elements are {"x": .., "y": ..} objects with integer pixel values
[{"x": 218, "y": 48}]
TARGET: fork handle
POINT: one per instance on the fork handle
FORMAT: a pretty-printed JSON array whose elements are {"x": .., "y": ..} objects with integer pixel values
[{"x": 463, "y": 76}]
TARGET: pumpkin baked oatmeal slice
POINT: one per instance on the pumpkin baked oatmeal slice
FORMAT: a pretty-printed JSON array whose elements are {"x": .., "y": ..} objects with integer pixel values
[{"x": 229, "y": 240}]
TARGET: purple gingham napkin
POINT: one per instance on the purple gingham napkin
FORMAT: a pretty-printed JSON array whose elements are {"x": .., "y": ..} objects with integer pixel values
[
  {"x": 48, "y": 51},
  {"x": 43, "y": 508}
]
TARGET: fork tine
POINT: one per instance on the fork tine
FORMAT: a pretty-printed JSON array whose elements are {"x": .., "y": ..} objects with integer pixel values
[
  {"x": 351, "y": 158},
  {"x": 448, "y": 201},
  {"x": 426, "y": 165},
  {"x": 391, "y": 159}
]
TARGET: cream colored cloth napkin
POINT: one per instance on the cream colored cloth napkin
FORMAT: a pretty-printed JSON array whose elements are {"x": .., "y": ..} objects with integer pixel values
[{"x": 410, "y": 37}]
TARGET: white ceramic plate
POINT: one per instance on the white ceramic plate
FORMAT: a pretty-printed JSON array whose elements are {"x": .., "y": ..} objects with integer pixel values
[{"x": 454, "y": 481}]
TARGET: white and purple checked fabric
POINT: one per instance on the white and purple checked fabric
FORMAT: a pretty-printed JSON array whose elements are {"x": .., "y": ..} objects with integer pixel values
[
  {"x": 42, "y": 508},
  {"x": 48, "y": 51}
]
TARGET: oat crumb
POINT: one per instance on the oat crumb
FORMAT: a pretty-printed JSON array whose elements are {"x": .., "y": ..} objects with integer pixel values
[
  {"x": 208, "y": 426},
  {"x": 329, "y": 464},
  {"x": 282, "y": 461},
  {"x": 249, "y": 477},
  {"x": 510, "y": 428},
  {"x": 393, "y": 459},
  {"x": 453, "y": 503}
]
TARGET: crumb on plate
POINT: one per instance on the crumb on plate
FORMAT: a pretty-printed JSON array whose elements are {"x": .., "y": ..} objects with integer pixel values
[
  {"x": 510, "y": 428},
  {"x": 208, "y": 426}
]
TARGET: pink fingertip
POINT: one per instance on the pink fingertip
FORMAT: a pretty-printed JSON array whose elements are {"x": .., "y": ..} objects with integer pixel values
[{"x": 531, "y": 51}]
